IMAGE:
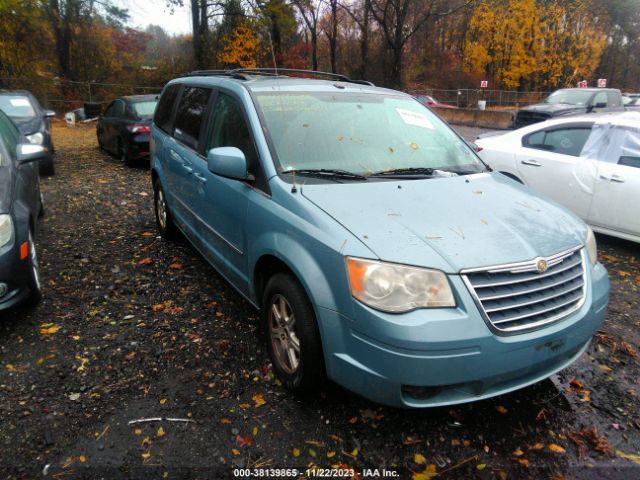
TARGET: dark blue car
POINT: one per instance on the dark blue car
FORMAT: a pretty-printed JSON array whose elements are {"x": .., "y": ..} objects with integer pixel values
[{"x": 20, "y": 207}]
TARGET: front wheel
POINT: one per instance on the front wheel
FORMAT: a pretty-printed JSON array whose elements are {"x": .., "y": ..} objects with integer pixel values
[
  {"x": 293, "y": 338},
  {"x": 34, "y": 279},
  {"x": 164, "y": 219}
]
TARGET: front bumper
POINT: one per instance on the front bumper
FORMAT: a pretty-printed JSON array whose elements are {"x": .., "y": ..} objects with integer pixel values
[{"x": 439, "y": 357}]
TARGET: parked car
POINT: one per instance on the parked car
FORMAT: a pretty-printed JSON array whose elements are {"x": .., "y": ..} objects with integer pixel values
[
  {"x": 379, "y": 249},
  {"x": 571, "y": 101},
  {"x": 589, "y": 164},
  {"x": 429, "y": 101},
  {"x": 20, "y": 206},
  {"x": 631, "y": 101},
  {"x": 125, "y": 126},
  {"x": 33, "y": 121}
]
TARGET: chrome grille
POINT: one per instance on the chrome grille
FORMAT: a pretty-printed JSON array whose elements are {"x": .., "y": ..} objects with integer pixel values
[{"x": 519, "y": 297}]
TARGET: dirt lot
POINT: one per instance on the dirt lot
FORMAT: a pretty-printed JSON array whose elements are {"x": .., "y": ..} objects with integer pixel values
[{"x": 132, "y": 327}]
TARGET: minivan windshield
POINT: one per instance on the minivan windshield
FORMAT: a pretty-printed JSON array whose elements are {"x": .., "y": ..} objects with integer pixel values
[
  {"x": 145, "y": 109},
  {"x": 360, "y": 134},
  {"x": 569, "y": 97},
  {"x": 17, "y": 106}
]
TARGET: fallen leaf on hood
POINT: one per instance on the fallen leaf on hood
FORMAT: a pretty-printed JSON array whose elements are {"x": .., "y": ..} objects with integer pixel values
[{"x": 628, "y": 456}]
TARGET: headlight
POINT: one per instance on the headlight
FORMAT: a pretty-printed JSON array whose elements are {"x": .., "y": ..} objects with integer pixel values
[
  {"x": 6, "y": 229},
  {"x": 35, "y": 138},
  {"x": 592, "y": 248},
  {"x": 398, "y": 288}
]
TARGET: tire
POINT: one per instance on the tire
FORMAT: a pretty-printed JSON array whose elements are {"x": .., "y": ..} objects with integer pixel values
[
  {"x": 41, "y": 211},
  {"x": 124, "y": 155},
  {"x": 34, "y": 280},
  {"x": 294, "y": 345},
  {"x": 46, "y": 168},
  {"x": 164, "y": 219}
]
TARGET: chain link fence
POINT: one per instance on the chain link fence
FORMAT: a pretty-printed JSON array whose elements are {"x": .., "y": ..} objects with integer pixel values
[
  {"x": 66, "y": 95},
  {"x": 496, "y": 99}
]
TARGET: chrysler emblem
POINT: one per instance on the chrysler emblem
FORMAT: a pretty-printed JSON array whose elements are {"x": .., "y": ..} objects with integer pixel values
[{"x": 541, "y": 265}]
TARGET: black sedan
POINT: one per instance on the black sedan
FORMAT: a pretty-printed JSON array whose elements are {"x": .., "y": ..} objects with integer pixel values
[
  {"x": 124, "y": 128},
  {"x": 20, "y": 207},
  {"x": 32, "y": 120}
]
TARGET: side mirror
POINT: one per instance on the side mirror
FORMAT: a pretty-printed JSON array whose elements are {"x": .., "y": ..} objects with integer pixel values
[
  {"x": 228, "y": 162},
  {"x": 28, "y": 153},
  {"x": 49, "y": 113},
  {"x": 598, "y": 105}
]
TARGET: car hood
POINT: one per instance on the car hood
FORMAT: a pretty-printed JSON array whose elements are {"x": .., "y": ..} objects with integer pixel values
[
  {"x": 6, "y": 185},
  {"x": 450, "y": 223},
  {"x": 28, "y": 126},
  {"x": 554, "y": 108}
]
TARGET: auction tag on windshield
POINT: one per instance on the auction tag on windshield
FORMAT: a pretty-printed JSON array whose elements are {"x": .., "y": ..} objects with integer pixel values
[
  {"x": 19, "y": 102},
  {"x": 414, "y": 118}
]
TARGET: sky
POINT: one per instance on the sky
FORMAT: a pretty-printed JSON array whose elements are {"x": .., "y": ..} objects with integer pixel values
[{"x": 145, "y": 12}]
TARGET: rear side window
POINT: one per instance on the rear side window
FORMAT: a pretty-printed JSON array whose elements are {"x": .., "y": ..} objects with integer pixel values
[
  {"x": 566, "y": 141},
  {"x": 613, "y": 99},
  {"x": 164, "y": 109},
  {"x": 190, "y": 115}
]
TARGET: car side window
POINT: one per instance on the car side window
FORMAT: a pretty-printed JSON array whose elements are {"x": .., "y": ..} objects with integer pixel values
[
  {"x": 229, "y": 129},
  {"x": 109, "y": 112},
  {"x": 190, "y": 115},
  {"x": 565, "y": 141},
  {"x": 164, "y": 111},
  {"x": 600, "y": 98},
  {"x": 118, "y": 109},
  {"x": 10, "y": 134},
  {"x": 613, "y": 99}
]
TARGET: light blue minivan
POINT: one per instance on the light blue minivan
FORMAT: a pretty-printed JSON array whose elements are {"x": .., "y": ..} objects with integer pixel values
[{"x": 381, "y": 252}]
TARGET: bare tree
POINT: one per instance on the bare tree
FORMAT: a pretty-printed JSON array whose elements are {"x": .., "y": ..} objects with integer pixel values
[
  {"x": 399, "y": 20},
  {"x": 309, "y": 11}
]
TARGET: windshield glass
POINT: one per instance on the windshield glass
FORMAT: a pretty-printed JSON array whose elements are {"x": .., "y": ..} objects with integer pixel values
[
  {"x": 360, "y": 133},
  {"x": 17, "y": 106},
  {"x": 145, "y": 109},
  {"x": 570, "y": 97}
]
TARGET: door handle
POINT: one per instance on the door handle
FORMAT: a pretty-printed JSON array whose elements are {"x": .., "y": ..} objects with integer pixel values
[
  {"x": 200, "y": 178},
  {"x": 187, "y": 167},
  {"x": 175, "y": 156},
  {"x": 612, "y": 178},
  {"x": 532, "y": 163}
]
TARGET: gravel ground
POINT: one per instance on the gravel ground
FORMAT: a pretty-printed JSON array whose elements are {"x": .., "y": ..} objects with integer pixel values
[{"x": 132, "y": 327}]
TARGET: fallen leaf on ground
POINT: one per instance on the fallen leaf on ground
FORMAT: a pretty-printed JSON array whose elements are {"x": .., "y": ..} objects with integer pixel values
[
  {"x": 554, "y": 447},
  {"x": 429, "y": 473},
  {"x": 259, "y": 399},
  {"x": 419, "y": 459},
  {"x": 49, "y": 330},
  {"x": 501, "y": 409},
  {"x": 296, "y": 452}
]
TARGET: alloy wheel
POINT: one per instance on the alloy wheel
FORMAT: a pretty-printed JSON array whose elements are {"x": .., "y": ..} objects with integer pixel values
[{"x": 285, "y": 342}]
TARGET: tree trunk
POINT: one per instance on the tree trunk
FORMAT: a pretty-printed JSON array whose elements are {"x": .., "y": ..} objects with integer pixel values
[
  {"x": 62, "y": 35},
  {"x": 364, "y": 41},
  {"x": 200, "y": 26}
]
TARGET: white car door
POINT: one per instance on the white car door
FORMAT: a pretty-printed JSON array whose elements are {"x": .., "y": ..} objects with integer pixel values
[
  {"x": 617, "y": 191},
  {"x": 549, "y": 163}
]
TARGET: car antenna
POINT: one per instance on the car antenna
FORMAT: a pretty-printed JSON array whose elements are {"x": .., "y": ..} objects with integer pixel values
[{"x": 294, "y": 189}]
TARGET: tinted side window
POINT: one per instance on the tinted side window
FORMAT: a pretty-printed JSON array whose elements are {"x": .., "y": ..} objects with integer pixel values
[
  {"x": 229, "y": 129},
  {"x": 566, "y": 141},
  {"x": 118, "y": 111},
  {"x": 9, "y": 134},
  {"x": 109, "y": 112},
  {"x": 190, "y": 114},
  {"x": 164, "y": 109}
]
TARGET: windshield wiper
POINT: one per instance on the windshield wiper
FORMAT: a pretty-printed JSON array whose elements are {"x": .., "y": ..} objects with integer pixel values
[
  {"x": 327, "y": 173},
  {"x": 402, "y": 172}
]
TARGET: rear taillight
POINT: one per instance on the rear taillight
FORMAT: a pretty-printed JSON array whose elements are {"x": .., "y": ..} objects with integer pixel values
[{"x": 139, "y": 128}]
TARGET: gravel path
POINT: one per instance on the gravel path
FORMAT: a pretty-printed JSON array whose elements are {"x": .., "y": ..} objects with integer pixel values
[{"x": 132, "y": 327}]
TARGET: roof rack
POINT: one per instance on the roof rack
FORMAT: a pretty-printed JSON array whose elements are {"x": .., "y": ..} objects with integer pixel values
[{"x": 246, "y": 73}]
